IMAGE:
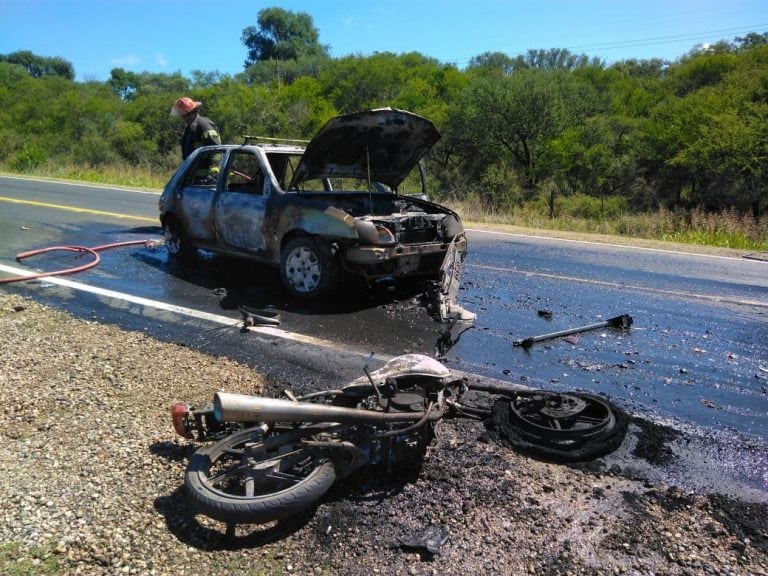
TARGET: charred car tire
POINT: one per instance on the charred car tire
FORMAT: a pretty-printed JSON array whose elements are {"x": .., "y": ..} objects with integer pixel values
[
  {"x": 176, "y": 240},
  {"x": 307, "y": 267},
  {"x": 540, "y": 424},
  {"x": 232, "y": 484}
]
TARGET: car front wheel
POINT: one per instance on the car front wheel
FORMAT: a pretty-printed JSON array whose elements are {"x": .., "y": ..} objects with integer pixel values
[{"x": 307, "y": 267}]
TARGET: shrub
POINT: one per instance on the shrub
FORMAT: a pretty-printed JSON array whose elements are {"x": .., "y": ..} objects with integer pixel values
[
  {"x": 29, "y": 157},
  {"x": 590, "y": 207},
  {"x": 94, "y": 150}
]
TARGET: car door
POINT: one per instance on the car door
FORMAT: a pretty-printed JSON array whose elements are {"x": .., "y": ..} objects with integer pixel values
[
  {"x": 195, "y": 196},
  {"x": 241, "y": 205}
]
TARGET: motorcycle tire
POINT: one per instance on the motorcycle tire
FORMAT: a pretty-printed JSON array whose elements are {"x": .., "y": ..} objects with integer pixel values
[
  {"x": 570, "y": 438},
  {"x": 231, "y": 482}
]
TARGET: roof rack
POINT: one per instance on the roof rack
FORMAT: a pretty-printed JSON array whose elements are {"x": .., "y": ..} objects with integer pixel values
[{"x": 249, "y": 139}]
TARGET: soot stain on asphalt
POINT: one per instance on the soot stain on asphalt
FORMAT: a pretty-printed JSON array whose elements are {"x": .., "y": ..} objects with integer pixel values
[{"x": 653, "y": 442}]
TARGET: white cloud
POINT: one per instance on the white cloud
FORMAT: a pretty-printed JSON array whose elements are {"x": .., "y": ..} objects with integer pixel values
[
  {"x": 130, "y": 60},
  {"x": 161, "y": 60}
]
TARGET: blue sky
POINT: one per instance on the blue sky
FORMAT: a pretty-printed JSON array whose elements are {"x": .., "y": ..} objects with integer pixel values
[{"x": 185, "y": 35}]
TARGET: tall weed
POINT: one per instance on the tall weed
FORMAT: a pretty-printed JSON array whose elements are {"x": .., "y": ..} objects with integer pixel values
[{"x": 725, "y": 229}]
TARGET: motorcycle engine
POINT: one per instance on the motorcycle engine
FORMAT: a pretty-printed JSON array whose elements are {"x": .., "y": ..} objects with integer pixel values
[
  {"x": 408, "y": 448},
  {"x": 408, "y": 401}
]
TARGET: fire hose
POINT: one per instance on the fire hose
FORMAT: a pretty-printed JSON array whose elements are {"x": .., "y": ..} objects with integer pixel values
[
  {"x": 251, "y": 316},
  {"x": 81, "y": 249}
]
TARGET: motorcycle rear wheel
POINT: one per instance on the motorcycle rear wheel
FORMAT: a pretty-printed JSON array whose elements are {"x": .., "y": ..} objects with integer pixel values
[{"x": 251, "y": 479}]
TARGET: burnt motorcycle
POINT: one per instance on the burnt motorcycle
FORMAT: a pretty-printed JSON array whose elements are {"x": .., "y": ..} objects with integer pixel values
[{"x": 269, "y": 458}]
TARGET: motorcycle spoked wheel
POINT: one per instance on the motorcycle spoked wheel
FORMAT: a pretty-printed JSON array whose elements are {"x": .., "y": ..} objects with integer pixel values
[
  {"x": 250, "y": 478},
  {"x": 569, "y": 427}
]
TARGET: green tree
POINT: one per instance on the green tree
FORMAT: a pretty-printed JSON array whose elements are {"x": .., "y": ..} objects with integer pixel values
[
  {"x": 130, "y": 142},
  {"x": 551, "y": 59},
  {"x": 281, "y": 72},
  {"x": 358, "y": 82},
  {"x": 202, "y": 79},
  {"x": 555, "y": 59},
  {"x": 129, "y": 85},
  {"x": 282, "y": 35},
  {"x": 39, "y": 66},
  {"x": 725, "y": 152},
  {"x": 605, "y": 158},
  {"x": 304, "y": 108},
  {"x": 519, "y": 116},
  {"x": 751, "y": 40},
  {"x": 123, "y": 83},
  {"x": 597, "y": 158},
  {"x": 729, "y": 160},
  {"x": 700, "y": 69},
  {"x": 493, "y": 62},
  {"x": 151, "y": 111},
  {"x": 652, "y": 69}
]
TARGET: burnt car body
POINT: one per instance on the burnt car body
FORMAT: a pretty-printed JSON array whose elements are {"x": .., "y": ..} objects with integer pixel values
[{"x": 320, "y": 213}]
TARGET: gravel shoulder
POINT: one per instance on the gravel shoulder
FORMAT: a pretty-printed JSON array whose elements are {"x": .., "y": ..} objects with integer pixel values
[{"x": 93, "y": 484}]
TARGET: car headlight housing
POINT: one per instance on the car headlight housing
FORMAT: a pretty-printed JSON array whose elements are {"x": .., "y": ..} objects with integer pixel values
[
  {"x": 452, "y": 226},
  {"x": 374, "y": 233}
]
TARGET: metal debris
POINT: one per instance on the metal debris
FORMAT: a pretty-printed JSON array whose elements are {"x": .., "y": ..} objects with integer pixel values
[
  {"x": 624, "y": 321},
  {"x": 259, "y": 317}
]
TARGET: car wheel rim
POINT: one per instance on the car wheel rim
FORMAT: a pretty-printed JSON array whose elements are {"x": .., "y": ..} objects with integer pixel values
[
  {"x": 303, "y": 270},
  {"x": 172, "y": 240}
]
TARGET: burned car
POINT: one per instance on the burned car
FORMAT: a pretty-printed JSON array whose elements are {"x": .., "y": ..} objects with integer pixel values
[{"x": 322, "y": 213}]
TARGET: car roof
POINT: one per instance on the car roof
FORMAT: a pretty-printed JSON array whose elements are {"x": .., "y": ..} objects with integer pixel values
[{"x": 266, "y": 147}]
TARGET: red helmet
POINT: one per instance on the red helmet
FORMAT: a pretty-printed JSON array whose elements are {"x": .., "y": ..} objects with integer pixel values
[{"x": 184, "y": 106}]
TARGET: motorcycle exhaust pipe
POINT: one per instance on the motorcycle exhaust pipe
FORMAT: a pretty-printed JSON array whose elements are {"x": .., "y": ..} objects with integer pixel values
[{"x": 243, "y": 408}]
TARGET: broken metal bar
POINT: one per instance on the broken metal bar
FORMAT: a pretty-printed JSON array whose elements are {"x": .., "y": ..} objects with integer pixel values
[
  {"x": 624, "y": 321},
  {"x": 259, "y": 317}
]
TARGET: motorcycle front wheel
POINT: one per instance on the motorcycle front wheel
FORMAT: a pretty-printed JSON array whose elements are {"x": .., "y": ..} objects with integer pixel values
[
  {"x": 252, "y": 478},
  {"x": 569, "y": 427}
]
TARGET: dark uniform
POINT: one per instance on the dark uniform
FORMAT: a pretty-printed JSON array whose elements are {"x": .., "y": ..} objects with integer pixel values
[{"x": 201, "y": 131}]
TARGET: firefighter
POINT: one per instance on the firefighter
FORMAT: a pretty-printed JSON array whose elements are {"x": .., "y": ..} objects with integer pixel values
[{"x": 200, "y": 130}]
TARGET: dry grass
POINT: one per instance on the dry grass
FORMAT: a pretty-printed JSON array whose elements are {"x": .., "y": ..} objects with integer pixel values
[{"x": 726, "y": 230}]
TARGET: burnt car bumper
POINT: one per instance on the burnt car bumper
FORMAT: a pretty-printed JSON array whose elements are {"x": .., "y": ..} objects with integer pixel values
[{"x": 405, "y": 259}]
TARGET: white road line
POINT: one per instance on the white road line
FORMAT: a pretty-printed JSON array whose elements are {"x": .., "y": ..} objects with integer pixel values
[
  {"x": 622, "y": 286},
  {"x": 190, "y": 312},
  {"x": 591, "y": 242},
  {"x": 80, "y": 184}
]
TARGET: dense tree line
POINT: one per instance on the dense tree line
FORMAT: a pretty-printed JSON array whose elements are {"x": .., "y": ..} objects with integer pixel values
[{"x": 543, "y": 128}]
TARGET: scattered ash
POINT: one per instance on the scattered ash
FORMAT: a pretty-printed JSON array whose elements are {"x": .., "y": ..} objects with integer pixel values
[{"x": 653, "y": 442}]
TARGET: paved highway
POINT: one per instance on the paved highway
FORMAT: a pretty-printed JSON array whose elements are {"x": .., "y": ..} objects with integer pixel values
[{"x": 697, "y": 351}]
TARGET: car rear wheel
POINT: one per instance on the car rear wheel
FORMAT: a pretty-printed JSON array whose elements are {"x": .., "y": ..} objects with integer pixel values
[{"x": 307, "y": 267}]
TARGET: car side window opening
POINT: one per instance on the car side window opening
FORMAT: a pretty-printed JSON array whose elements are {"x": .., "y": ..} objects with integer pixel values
[
  {"x": 284, "y": 166},
  {"x": 205, "y": 170},
  {"x": 244, "y": 173}
]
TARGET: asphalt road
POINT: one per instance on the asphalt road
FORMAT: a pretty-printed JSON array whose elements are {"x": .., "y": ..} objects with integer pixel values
[{"x": 697, "y": 351}]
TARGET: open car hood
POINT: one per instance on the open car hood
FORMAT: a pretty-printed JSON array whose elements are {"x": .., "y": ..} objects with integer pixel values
[{"x": 384, "y": 144}]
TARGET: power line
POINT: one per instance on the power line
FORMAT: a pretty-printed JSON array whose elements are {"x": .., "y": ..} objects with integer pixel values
[
  {"x": 653, "y": 41},
  {"x": 666, "y": 39}
]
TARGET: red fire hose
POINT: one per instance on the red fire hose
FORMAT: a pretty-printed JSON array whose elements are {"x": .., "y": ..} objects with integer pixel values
[{"x": 82, "y": 249}]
